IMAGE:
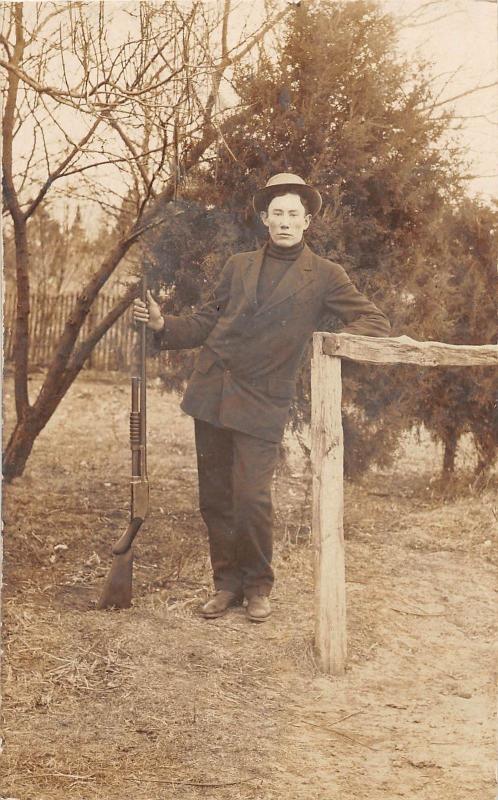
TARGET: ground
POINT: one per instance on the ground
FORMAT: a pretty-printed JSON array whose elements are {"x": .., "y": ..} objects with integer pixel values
[{"x": 155, "y": 702}]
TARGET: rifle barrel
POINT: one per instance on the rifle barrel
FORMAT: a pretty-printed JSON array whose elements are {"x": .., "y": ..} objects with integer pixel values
[{"x": 143, "y": 387}]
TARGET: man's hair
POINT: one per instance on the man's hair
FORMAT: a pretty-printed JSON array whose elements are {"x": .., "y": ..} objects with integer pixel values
[{"x": 303, "y": 200}]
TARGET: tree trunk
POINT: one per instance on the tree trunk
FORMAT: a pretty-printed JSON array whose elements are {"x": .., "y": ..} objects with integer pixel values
[
  {"x": 485, "y": 441},
  {"x": 34, "y": 420},
  {"x": 68, "y": 358},
  {"x": 29, "y": 426},
  {"x": 450, "y": 448},
  {"x": 21, "y": 340},
  {"x": 19, "y": 447}
]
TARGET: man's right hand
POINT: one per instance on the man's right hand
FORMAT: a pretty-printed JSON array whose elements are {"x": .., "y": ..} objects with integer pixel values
[{"x": 148, "y": 312}]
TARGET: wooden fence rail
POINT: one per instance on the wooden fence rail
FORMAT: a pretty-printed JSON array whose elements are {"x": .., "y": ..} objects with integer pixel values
[
  {"x": 48, "y": 315},
  {"x": 327, "y": 463}
]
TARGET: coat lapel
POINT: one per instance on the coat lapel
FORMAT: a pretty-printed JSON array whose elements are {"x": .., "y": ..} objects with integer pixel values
[
  {"x": 298, "y": 275},
  {"x": 251, "y": 274}
]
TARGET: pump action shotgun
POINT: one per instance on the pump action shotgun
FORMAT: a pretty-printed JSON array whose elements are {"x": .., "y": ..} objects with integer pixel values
[{"x": 117, "y": 590}]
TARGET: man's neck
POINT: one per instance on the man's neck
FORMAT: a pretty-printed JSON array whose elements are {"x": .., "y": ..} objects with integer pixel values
[{"x": 284, "y": 253}]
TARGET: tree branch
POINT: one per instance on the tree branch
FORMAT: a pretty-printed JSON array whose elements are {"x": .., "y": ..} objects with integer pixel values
[
  {"x": 458, "y": 96},
  {"x": 38, "y": 87},
  {"x": 36, "y": 31},
  {"x": 84, "y": 349},
  {"x": 57, "y": 173},
  {"x": 6, "y": 46},
  {"x": 130, "y": 146}
]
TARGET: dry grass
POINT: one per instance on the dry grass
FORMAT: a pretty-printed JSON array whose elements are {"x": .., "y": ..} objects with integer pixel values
[{"x": 158, "y": 703}]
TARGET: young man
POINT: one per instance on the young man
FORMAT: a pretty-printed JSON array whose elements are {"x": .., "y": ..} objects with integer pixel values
[{"x": 253, "y": 333}]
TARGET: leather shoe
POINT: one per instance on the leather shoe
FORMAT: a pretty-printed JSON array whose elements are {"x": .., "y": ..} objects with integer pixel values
[
  {"x": 258, "y": 607},
  {"x": 219, "y": 603}
]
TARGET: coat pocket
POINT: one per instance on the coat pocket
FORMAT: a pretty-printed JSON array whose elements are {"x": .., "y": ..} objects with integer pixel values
[
  {"x": 278, "y": 387},
  {"x": 205, "y": 361}
]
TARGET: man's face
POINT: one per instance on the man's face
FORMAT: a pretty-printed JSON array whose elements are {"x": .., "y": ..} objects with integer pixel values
[{"x": 286, "y": 219}]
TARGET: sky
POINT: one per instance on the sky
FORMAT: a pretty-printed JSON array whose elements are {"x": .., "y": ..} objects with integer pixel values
[{"x": 460, "y": 37}]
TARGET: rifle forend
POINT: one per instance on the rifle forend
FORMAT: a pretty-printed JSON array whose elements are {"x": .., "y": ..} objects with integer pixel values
[{"x": 139, "y": 481}]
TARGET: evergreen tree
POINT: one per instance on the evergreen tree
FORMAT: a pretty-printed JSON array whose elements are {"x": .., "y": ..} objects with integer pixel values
[
  {"x": 452, "y": 402},
  {"x": 337, "y": 107}
]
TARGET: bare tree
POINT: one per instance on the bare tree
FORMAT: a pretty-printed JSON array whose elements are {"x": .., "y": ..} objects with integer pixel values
[{"x": 120, "y": 121}]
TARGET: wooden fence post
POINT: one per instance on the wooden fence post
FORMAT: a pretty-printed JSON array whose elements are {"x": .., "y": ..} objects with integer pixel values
[{"x": 327, "y": 451}]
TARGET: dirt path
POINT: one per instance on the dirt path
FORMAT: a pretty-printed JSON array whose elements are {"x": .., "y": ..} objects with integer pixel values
[{"x": 157, "y": 703}]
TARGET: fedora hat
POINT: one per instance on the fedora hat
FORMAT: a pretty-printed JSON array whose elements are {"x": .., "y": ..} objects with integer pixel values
[{"x": 281, "y": 184}]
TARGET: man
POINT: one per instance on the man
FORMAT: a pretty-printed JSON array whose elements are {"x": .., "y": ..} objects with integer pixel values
[{"x": 253, "y": 333}]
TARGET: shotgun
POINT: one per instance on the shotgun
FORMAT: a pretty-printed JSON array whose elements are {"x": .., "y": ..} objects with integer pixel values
[{"x": 117, "y": 588}]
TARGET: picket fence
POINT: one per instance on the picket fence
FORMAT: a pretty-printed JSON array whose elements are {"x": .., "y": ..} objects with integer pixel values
[{"x": 48, "y": 315}]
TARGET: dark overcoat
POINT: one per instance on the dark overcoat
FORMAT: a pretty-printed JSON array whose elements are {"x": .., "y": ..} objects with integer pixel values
[{"x": 244, "y": 376}]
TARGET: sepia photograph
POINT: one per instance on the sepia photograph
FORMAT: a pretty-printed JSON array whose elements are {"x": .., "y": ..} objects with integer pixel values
[{"x": 249, "y": 399}]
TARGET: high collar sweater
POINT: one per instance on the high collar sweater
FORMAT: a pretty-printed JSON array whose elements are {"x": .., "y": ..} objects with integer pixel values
[{"x": 276, "y": 262}]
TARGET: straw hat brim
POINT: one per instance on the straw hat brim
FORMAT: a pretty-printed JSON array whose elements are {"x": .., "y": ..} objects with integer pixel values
[{"x": 264, "y": 196}]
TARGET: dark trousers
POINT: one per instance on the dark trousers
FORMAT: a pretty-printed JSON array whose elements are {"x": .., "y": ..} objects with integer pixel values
[{"x": 235, "y": 473}]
